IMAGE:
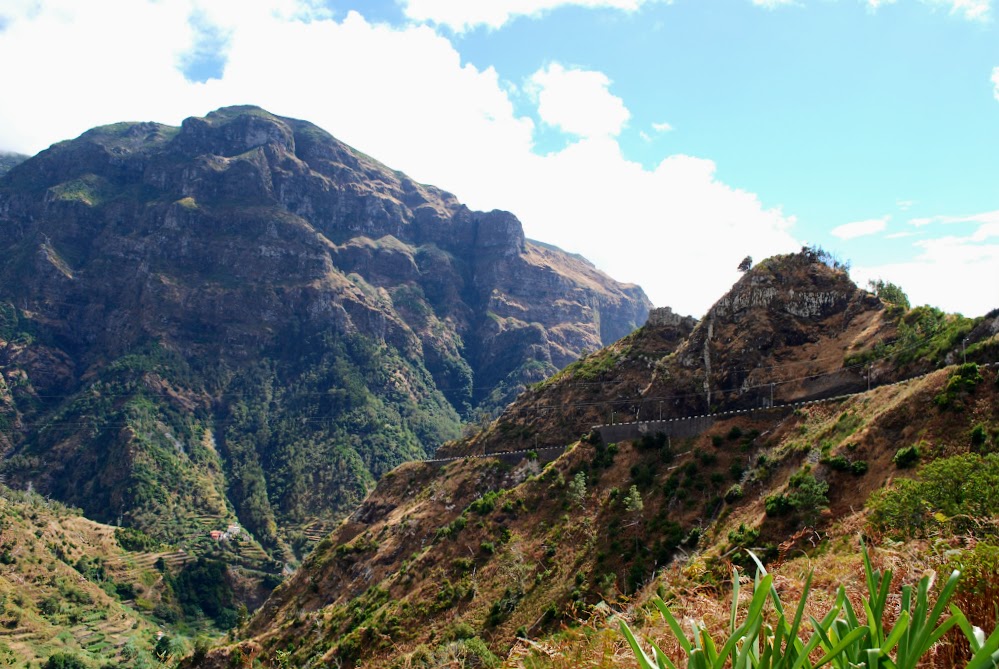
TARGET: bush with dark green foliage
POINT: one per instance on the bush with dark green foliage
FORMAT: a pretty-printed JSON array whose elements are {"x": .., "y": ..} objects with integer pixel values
[
  {"x": 906, "y": 457},
  {"x": 135, "y": 540},
  {"x": 978, "y": 436},
  {"x": 805, "y": 496},
  {"x": 959, "y": 494},
  {"x": 203, "y": 587},
  {"x": 64, "y": 661},
  {"x": 744, "y": 537},
  {"x": 485, "y": 504},
  {"x": 777, "y": 505},
  {"x": 841, "y": 463},
  {"x": 838, "y": 462},
  {"x": 643, "y": 474},
  {"x": 503, "y": 607},
  {"x": 960, "y": 384},
  {"x": 603, "y": 455}
]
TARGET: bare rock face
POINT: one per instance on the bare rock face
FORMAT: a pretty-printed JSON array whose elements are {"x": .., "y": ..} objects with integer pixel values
[{"x": 264, "y": 258}]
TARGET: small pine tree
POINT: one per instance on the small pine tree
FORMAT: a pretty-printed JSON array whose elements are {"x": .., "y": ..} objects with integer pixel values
[
  {"x": 633, "y": 502},
  {"x": 577, "y": 489},
  {"x": 746, "y": 264}
]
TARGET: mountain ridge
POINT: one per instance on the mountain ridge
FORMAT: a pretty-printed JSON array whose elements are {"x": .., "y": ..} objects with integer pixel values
[{"x": 248, "y": 310}]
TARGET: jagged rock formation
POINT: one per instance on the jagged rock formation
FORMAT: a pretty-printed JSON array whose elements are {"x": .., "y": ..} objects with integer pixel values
[{"x": 248, "y": 311}]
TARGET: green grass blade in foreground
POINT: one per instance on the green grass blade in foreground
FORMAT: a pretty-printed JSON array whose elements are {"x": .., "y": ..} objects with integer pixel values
[
  {"x": 834, "y": 648},
  {"x": 900, "y": 628},
  {"x": 792, "y": 631},
  {"x": 925, "y": 630},
  {"x": 735, "y": 601},
  {"x": 644, "y": 661},
  {"x": 673, "y": 625},
  {"x": 761, "y": 570}
]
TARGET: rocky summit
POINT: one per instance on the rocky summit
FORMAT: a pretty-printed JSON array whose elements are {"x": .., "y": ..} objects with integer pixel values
[{"x": 245, "y": 321}]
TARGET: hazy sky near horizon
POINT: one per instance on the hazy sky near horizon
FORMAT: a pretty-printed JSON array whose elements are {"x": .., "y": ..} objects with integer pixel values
[{"x": 663, "y": 140}]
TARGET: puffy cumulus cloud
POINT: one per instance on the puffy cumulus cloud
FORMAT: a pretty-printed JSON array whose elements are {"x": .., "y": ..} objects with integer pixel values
[
  {"x": 860, "y": 228},
  {"x": 676, "y": 230},
  {"x": 400, "y": 94},
  {"x": 956, "y": 272},
  {"x": 467, "y": 14},
  {"x": 578, "y": 101},
  {"x": 403, "y": 96},
  {"x": 80, "y": 66}
]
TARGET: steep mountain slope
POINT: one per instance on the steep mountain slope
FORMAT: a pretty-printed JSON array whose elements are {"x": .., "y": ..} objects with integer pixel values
[
  {"x": 245, "y": 319},
  {"x": 457, "y": 558}
]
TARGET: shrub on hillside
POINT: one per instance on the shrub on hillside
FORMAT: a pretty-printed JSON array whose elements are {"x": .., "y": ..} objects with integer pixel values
[
  {"x": 961, "y": 382},
  {"x": 734, "y": 494},
  {"x": 64, "y": 661},
  {"x": 135, "y": 540},
  {"x": 906, "y": 457},
  {"x": 806, "y": 496},
  {"x": 959, "y": 494}
]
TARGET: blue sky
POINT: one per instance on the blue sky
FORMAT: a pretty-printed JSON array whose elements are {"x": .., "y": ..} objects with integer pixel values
[{"x": 663, "y": 140}]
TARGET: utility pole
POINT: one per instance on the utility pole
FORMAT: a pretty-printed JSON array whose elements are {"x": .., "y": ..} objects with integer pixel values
[
  {"x": 660, "y": 410},
  {"x": 771, "y": 394}
]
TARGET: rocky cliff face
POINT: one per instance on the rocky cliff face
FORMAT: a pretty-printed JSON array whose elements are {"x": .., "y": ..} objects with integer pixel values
[{"x": 248, "y": 309}]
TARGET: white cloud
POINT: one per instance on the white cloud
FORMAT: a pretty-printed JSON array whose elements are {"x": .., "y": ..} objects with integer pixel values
[
  {"x": 578, "y": 101},
  {"x": 403, "y": 96},
  {"x": 466, "y": 14},
  {"x": 675, "y": 230},
  {"x": 986, "y": 217},
  {"x": 874, "y": 5},
  {"x": 773, "y": 4},
  {"x": 973, "y": 10},
  {"x": 662, "y": 127},
  {"x": 860, "y": 228},
  {"x": 995, "y": 83},
  {"x": 961, "y": 272}
]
